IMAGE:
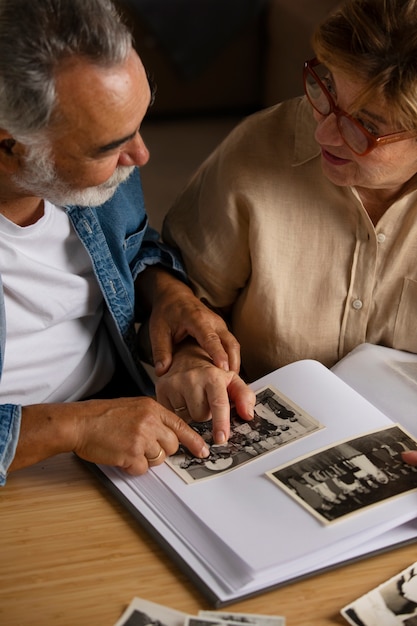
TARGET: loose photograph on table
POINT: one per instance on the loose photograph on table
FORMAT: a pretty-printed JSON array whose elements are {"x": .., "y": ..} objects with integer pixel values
[
  {"x": 277, "y": 422},
  {"x": 393, "y": 602},
  {"x": 193, "y": 620},
  {"x": 351, "y": 475},
  {"x": 142, "y": 612},
  {"x": 250, "y": 619}
]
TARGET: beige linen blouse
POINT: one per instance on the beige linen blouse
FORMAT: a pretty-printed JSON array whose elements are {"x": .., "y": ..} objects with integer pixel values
[{"x": 294, "y": 258}]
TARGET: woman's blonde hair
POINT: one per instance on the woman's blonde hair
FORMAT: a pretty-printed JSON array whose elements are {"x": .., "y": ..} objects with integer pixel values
[{"x": 375, "y": 42}]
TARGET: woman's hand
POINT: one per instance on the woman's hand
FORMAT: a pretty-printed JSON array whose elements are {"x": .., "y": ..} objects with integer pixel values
[{"x": 195, "y": 389}]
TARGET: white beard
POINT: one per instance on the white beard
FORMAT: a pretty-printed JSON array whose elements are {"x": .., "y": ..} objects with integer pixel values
[{"x": 39, "y": 178}]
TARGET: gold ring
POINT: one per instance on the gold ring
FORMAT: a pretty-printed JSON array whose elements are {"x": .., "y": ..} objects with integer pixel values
[
  {"x": 153, "y": 459},
  {"x": 180, "y": 409}
]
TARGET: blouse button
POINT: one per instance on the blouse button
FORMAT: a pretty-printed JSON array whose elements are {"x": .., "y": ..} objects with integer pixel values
[
  {"x": 357, "y": 304},
  {"x": 380, "y": 237}
]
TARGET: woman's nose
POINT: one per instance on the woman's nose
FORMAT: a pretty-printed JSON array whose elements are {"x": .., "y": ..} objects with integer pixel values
[{"x": 327, "y": 131}]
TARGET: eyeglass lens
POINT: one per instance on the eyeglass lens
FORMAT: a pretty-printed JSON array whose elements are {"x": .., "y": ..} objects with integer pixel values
[
  {"x": 322, "y": 101},
  {"x": 317, "y": 96}
]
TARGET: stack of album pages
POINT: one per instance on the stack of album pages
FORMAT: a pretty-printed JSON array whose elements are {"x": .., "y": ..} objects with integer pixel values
[{"x": 315, "y": 481}]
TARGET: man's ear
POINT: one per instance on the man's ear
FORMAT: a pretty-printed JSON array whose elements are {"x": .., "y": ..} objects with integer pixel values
[{"x": 10, "y": 153}]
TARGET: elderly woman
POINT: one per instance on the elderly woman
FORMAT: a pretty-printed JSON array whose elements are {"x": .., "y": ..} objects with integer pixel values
[{"x": 302, "y": 226}]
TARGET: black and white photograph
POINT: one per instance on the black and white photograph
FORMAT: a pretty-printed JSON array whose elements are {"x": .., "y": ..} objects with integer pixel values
[
  {"x": 277, "y": 422},
  {"x": 252, "y": 619},
  {"x": 145, "y": 613},
  {"x": 193, "y": 620},
  {"x": 394, "y": 603},
  {"x": 353, "y": 474}
]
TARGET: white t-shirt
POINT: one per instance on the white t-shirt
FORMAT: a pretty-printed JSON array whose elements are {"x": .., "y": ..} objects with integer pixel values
[{"x": 56, "y": 347}]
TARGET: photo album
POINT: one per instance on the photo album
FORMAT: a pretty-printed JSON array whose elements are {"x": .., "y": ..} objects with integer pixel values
[{"x": 315, "y": 480}]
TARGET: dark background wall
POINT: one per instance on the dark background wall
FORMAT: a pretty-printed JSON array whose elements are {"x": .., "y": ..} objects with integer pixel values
[{"x": 219, "y": 56}]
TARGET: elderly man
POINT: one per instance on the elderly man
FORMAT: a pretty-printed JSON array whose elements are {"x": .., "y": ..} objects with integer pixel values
[{"x": 80, "y": 265}]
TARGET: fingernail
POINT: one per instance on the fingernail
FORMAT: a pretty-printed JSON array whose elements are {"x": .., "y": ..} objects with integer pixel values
[
  {"x": 205, "y": 452},
  {"x": 220, "y": 437}
]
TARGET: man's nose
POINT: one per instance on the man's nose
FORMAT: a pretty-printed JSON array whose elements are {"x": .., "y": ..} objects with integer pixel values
[{"x": 134, "y": 153}]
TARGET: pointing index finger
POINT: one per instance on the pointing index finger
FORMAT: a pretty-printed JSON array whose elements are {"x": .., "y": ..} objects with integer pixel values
[
  {"x": 219, "y": 404},
  {"x": 189, "y": 438}
]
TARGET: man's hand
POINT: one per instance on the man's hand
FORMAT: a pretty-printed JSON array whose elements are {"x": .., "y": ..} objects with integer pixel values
[
  {"x": 197, "y": 390},
  {"x": 175, "y": 314},
  {"x": 130, "y": 433}
]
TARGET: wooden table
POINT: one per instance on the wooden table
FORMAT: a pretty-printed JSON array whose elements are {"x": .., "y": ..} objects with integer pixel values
[{"x": 71, "y": 555}]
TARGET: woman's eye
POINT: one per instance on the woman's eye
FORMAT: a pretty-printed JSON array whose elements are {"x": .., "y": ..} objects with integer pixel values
[
  {"x": 328, "y": 83},
  {"x": 368, "y": 126}
]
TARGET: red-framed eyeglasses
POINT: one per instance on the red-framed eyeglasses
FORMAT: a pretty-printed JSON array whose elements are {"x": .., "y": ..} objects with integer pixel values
[{"x": 354, "y": 134}]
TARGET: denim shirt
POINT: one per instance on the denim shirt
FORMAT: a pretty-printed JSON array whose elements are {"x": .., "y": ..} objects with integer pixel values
[{"x": 121, "y": 244}]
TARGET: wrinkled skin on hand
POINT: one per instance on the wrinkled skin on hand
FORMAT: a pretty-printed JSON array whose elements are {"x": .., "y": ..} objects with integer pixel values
[
  {"x": 199, "y": 391},
  {"x": 176, "y": 313},
  {"x": 130, "y": 433}
]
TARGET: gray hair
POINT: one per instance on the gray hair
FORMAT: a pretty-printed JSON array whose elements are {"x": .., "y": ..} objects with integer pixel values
[{"x": 35, "y": 37}]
